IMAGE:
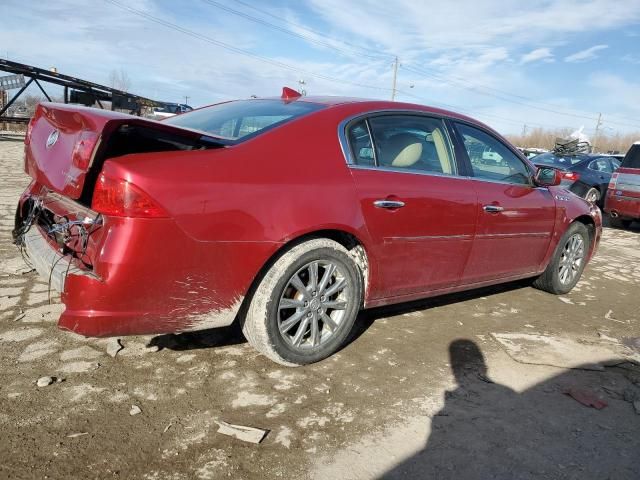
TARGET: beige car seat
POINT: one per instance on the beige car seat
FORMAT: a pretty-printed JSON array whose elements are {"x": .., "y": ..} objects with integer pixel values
[
  {"x": 402, "y": 150},
  {"x": 443, "y": 152}
]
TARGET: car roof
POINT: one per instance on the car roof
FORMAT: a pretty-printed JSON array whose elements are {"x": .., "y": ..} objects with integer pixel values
[{"x": 369, "y": 104}]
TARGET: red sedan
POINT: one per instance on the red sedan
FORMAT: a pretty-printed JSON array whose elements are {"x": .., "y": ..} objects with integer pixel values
[{"x": 288, "y": 214}]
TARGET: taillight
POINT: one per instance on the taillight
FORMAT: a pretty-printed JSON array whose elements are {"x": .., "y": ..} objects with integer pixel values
[
  {"x": 573, "y": 176},
  {"x": 613, "y": 181},
  {"x": 83, "y": 149},
  {"x": 120, "y": 198}
]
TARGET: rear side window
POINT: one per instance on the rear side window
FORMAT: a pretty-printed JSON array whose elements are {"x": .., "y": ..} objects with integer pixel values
[
  {"x": 632, "y": 159},
  {"x": 243, "y": 118},
  {"x": 490, "y": 158},
  {"x": 411, "y": 143},
  {"x": 361, "y": 146},
  {"x": 600, "y": 165}
]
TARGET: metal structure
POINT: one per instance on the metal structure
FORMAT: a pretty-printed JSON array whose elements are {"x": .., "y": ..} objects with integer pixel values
[{"x": 76, "y": 90}]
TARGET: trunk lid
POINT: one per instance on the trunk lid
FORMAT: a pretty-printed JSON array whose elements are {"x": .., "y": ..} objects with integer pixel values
[{"x": 66, "y": 144}]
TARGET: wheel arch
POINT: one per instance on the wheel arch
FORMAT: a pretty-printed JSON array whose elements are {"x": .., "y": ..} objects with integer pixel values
[
  {"x": 588, "y": 222},
  {"x": 353, "y": 243}
]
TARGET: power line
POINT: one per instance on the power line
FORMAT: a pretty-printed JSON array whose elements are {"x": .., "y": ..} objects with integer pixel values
[
  {"x": 290, "y": 32},
  {"x": 237, "y": 50},
  {"x": 467, "y": 111},
  {"x": 315, "y": 32},
  {"x": 472, "y": 87},
  {"x": 522, "y": 97}
]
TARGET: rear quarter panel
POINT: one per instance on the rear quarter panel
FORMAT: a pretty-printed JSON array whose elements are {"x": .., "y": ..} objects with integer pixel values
[{"x": 255, "y": 196}]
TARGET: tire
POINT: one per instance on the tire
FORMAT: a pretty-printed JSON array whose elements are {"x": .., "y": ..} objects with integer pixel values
[
  {"x": 277, "y": 300},
  {"x": 592, "y": 195},
  {"x": 556, "y": 278},
  {"x": 620, "y": 223}
]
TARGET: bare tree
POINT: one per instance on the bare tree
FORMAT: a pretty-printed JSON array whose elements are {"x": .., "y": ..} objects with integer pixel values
[
  {"x": 545, "y": 138},
  {"x": 119, "y": 80}
]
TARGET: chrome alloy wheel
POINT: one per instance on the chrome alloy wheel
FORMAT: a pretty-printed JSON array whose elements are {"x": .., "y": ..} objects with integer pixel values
[
  {"x": 313, "y": 304},
  {"x": 571, "y": 259}
]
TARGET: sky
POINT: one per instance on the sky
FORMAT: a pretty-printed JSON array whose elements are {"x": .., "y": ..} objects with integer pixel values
[{"x": 511, "y": 64}]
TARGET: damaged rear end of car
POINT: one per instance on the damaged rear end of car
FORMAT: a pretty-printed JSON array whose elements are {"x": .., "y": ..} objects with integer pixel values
[{"x": 87, "y": 227}]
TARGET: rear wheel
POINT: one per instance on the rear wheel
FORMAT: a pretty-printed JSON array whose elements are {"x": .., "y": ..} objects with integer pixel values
[
  {"x": 306, "y": 304},
  {"x": 592, "y": 195},
  {"x": 568, "y": 261}
]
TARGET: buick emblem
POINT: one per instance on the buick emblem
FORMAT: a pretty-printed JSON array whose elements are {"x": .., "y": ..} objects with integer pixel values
[{"x": 53, "y": 138}]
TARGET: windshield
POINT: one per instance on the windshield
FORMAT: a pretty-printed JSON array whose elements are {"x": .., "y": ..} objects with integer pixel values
[
  {"x": 242, "y": 118},
  {"x": 557, "y": 161}
]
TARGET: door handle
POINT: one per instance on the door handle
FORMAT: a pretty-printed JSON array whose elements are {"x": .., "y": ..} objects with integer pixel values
[
  {"x": 390, "y": 204},
  {"x": 492, "y": 208}
]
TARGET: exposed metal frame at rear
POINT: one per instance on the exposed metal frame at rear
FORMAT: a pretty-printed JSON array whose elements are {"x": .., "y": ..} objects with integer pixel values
[{"x": 52, "y": 265}]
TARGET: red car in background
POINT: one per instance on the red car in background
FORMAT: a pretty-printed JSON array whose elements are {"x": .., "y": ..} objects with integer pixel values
[
  {"x": 288, "y": 214},
  {"x": 622, "y": 202}
]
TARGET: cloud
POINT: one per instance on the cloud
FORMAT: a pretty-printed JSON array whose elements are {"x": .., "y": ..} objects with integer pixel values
[
  {"x": 543, "y": 54},
  {"x": 585, "y": 55},
  {"x": 629, "y": 58},
  {"x": 616, "y": 91},
  {"x": 410, "y": 26},
  {"x": 470, "y": 66}
]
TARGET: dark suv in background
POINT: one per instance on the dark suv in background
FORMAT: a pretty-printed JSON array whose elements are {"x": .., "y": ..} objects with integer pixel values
[
  {"x": 586, "y": 175},
  {"x": 623, "y": 197}
]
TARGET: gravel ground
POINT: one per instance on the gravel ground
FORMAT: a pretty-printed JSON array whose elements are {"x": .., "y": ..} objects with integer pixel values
[{"x": 464, "y": 386}]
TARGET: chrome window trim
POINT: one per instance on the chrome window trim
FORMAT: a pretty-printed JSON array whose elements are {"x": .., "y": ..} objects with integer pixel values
[
  {"x": 373, "y": 145},
  {"x": 350, "y": 161},
  {"x": 410, "y": 172},
  {"x": 443, "y": 175},
  {"x": 502, "y": 182}
]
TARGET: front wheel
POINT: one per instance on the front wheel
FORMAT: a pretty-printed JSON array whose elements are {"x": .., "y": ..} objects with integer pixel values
[
  {"x": 568, "y": 261},
  {"x": 305, "y": 306}
]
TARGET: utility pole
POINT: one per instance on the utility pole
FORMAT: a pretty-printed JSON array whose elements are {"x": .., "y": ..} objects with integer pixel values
[
  {"x": 186, "y": 100},
  {"x": 595, "y": 135},
  {"x": 395, "y": 78},
  {"x": 524, "y": 130}
]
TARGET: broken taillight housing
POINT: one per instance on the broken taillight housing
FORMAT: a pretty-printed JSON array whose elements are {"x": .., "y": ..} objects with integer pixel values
[
  {"x": 573, "y": 176},
  {"x": 120, "y": 198}
]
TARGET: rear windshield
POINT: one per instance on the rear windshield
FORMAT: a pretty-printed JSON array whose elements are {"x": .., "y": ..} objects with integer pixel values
[
  {"x": 242, "y": 118},
  {"x": 632, "y": 159},
  {"x": 556, "y": 160}
]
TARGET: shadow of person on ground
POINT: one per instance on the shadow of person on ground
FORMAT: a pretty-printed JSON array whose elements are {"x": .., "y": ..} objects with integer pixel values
[{"x": 488, "y": 431}]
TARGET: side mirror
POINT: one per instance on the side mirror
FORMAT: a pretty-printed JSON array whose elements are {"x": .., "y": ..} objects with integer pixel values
[{"x": 547, "y": 177}]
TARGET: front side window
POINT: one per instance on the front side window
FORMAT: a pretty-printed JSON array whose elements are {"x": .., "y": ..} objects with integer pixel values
[
  {"x": 490, "y": 158},
  {"x": 411, "y": 143},
  {"x": 242, "y": 118}
]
